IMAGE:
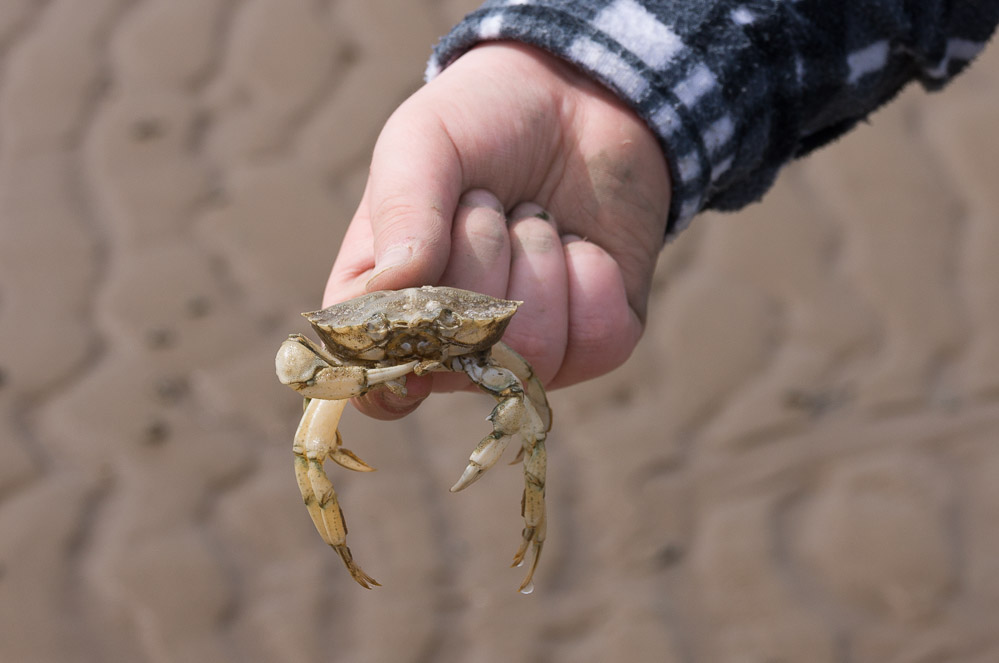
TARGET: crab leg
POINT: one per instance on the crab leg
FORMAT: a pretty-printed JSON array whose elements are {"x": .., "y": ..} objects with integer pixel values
[
  {"x": 515, "y": 413},
  {"x": 532, "y": 508},
  {"x": 505, "y": 418},
  {"x": 508, "y": 358},
  {"x": 535, "y": 465},
  {"x": 316, "y": 440}
]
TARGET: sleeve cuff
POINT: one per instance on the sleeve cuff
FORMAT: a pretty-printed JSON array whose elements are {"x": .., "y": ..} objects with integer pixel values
[{"x": 592, "y": 40}]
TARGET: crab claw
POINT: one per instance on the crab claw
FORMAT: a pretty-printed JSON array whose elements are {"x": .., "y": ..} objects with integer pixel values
[
  {"x": 307, "y": 368},
  {"x": 505, "y": 418}
]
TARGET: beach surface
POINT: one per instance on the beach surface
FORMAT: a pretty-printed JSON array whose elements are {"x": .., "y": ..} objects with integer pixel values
[{"x": 798, "y": 463}]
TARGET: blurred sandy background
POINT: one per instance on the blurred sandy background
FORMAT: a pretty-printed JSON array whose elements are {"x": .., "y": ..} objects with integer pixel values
[{"x": 799, "y": 463}]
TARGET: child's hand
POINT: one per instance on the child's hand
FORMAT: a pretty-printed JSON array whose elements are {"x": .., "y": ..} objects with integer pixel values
[{"x": 515, "y": 175}]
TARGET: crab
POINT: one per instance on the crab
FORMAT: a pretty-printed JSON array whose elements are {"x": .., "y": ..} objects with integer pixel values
[{"x": 379, "y": 339}]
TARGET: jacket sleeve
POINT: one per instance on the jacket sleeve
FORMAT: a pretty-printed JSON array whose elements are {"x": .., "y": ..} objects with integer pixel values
[{"x": 734, "y": 89}]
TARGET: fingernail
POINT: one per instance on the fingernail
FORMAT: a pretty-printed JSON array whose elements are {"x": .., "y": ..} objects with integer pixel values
[
  {"x": 394, "y": 256},
  {"x": 390, "y": 258},
  {"x": 480, "y": 198},
  {"x": 524, "y": 210},
  {"x": 570, "y": 237}
]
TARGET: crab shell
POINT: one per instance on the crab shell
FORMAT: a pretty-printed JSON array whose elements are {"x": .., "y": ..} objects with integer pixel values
[{"x": 428, "y": 323}]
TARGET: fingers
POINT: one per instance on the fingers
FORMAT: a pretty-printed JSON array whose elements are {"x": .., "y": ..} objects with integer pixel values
[
  {"x": 603, "y": 327},
  {"x": 521, "y": 259},
  {"x": 480, "y": 246},
  {"x": 382, "y": 404},
  {"x": 538, "y": 277},
  {"x": 576, "y": 322},
  {"x": 479, "y": 260}
]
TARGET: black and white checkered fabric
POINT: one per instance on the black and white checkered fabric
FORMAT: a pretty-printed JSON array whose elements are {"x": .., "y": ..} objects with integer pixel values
[{"x": 734, "y": 89}]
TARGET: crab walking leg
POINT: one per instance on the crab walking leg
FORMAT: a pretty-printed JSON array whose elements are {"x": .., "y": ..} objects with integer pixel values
[
  {"x": 533, "y": 504},
  {"x": 515, "y": 413},
  {"x": 311, "y": 371},
  {"x": 508, "y": 358},
  {"x": 532, "y": 508},
  {"x": 316, "y": 440}
]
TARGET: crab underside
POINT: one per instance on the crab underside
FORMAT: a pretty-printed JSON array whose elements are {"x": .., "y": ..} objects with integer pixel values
[{"x": 382, "y": 337}]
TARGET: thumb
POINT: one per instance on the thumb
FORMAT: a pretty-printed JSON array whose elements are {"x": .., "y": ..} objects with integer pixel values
[{"x": 414, "y": 186}]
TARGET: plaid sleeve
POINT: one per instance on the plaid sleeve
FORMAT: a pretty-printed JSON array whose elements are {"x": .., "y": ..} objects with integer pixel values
[{"x": 734, "y": 89}]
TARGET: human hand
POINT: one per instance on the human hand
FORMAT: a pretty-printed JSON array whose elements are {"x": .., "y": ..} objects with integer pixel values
[{"x": 509, "y": 127}]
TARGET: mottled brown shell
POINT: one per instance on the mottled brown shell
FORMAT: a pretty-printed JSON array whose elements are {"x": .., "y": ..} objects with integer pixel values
[{"x": 428, "y": 323}]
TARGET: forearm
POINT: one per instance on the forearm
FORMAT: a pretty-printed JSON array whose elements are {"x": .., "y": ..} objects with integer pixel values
[{"x": 734, "y": 90}]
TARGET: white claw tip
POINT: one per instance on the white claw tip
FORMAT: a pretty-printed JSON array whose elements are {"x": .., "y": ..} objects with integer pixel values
[
  {"x": 528, "y": 588},
  {"x": 519, "y": 564},
  {"x": 468, "y": 477}
]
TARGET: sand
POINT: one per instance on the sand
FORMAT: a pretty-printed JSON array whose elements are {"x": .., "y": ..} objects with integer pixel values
[{"x": 798, "y": 463}]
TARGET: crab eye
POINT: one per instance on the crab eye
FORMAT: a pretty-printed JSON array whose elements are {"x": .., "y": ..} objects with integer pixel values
[
  {"x": 446, "y": 319},
  {"x": 377, "y": 327}
]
